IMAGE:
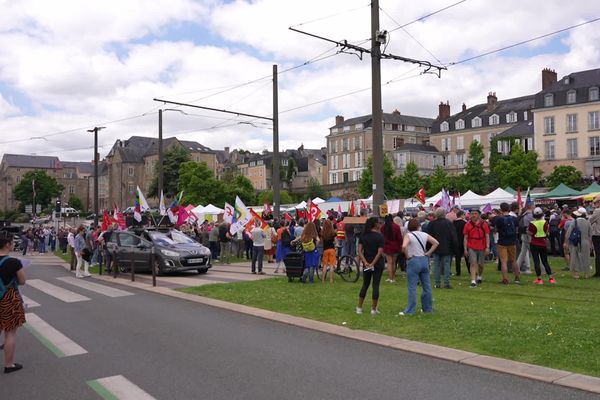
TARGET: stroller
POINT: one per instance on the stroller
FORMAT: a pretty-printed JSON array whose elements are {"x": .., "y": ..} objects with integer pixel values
[{"x": 294, "y": 265}]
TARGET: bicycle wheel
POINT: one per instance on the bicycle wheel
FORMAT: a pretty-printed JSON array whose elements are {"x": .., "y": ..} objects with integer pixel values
[{"x": 348, "y": 268}]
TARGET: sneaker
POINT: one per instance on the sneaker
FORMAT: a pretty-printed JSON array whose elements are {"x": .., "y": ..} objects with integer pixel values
[
  {"x": 479, "y": 280},
  {"x": 473, "y": 284},
  {"x": 388, "y": 280},
  {"x": 438, "y": 286},
  {"x": 374, "y": 311},
  {"x": 254, "y": 272},
  {"x": 401, "y": 313},
  {"x": 392, "y": 281},
  {"x": 358, "y": 310},
  {"x": 517, "y": 281},
  {"x": 261, "y": 272},
  {"x": 552, "y": 280},
  {"x": 504, "y": 281},
  {"x": 78, "y": 276},
  {"x": 538, "y": 281}
]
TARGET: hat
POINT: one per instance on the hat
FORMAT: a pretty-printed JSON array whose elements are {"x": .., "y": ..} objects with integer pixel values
[
  {"x": 537, "y": 211},
  {"x": 580, "y": 211}
]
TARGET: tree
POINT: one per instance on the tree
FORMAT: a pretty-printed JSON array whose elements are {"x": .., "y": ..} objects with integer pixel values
[
  {"x": 291, "y": 171},
  {"x": 47, "y": 188},
  {"x": 267, "y": 197},
  {"x": 199, "y": 185},
  {"x": 315, "y": 189},
  {"x": 475, "y": 177},
  {"x": 365, "y": 185},
  {"x": 242, "y": 187},
  {"x": 409, "y": 182},
  {"x": 566, "y": 174},
  {"x": 172, "y": 161},
  {"x": 76, "y": 203},
  {"x": 438, "y": 180},
  {"x": 520, "y": 169}
]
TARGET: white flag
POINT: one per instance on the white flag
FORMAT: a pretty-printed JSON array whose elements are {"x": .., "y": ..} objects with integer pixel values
[
  {"x": 163, "y": 208},
  {"x": 242, "y": 216},
  {"x": 143, "y": 203},
  {"x": 229, "y": 213}
]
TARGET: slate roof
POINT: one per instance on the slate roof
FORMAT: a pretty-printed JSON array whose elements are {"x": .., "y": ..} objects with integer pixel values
[
  {"x": 417, "y": 147},
  {"x": 522, "y": 129},
  {"x": 134, "y": 149},
  {"x": 82, "y": 166},
  {"x": 27, "y": 161},
  {"x": 389, "y": 118},
  {"x": 579, "y": 81}
]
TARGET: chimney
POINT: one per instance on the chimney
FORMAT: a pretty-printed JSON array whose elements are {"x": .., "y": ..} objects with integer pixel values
[
  {"x": 444, "y": 111},
  {"x": 491, "y": 101},
  {"x": 226, "y": 150},
  {"x": 339, "y": 120},
  {"x": 396, "y": 112},
  {"x": 464, "y": 107},
  {"x": 548, "y": 78}
]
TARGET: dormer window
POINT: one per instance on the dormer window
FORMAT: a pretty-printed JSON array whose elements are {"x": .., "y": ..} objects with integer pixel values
[
  {"x": 593, "y": 95},
  {"x": 460, "y": 124},
  {"x": 548, "y": 100},
  {"x": 444, "y": 126},
  {"x": 511, "y": 117},
  {"x": 571, "y": 97},
  {"x": 494, "y": 120},
  {"x": 476, "y": 122}
]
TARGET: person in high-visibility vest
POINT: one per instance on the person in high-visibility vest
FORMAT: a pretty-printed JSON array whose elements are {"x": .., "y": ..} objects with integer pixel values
[{"x": 538, "y": 229}]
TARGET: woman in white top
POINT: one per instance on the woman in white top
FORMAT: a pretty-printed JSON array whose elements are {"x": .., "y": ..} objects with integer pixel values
[
  {"x": 415, "y": 250},
  {"x": 269, "y": 249}
]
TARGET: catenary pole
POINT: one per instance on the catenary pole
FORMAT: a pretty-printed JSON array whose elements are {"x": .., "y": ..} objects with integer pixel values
[
  {"x": 377, "y": 117},
  {"x": 276, "y": 162},
  {"x": 160, "y": 152}
]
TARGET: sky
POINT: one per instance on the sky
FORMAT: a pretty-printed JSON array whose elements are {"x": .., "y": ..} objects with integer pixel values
[{"x": 69, "y": 65}]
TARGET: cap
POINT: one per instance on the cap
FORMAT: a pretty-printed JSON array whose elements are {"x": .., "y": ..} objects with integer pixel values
[{"x": 538, "y": 211}]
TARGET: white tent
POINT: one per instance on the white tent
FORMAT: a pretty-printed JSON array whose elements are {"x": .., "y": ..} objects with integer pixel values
[
  {"x": 198, "y": 209},
  {"x": 499, "y": 196},
  {"x": 433, "y": 199},
  {"x": 316, "y": 200},
  {"x": 210, "y": 209},
  {"x": 412, "y": 203}
]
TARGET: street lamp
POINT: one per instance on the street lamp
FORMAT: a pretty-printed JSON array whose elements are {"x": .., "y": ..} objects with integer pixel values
[{"x": 95, "y": 130}]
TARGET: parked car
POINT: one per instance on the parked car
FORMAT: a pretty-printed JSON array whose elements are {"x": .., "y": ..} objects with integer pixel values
[{"x": 174, "y": 251}]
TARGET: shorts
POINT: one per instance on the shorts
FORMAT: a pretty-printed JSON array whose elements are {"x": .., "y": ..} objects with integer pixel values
[
  {"x": 507, "y": 253},
  {"x": 329, "y": 257},
  {"x": 476, "y": 256}
]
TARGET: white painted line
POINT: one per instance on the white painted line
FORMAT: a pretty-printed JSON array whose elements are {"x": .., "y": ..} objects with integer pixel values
[
  {"x": 52, "y": 337},
  {"x": 56, "y": 291},
  {"x": 121, "y": 388},
  {"x": 95, "y": 287},
  {"x": 29, "y": 303}
]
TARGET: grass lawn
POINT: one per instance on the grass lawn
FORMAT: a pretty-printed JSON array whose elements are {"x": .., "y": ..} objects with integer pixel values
[{"x": 554, "y": 326}]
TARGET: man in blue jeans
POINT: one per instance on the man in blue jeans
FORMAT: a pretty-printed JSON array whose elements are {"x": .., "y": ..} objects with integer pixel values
[{"x": 442, "y": 230}]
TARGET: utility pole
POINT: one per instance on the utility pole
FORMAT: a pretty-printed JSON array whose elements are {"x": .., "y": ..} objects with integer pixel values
[
  {"x": 160, "y": 152},
  {"x": 276, "y": 180},
  {"x": 377, "y": 113},
  {"x": 95, "y": 131}
]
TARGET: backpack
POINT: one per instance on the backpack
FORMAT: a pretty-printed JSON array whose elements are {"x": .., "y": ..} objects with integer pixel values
[
  {"x": 522, "y": 230},
  {"x": 575, "y": 236},
  {"x": 309, "y": 246},
  {"x": 554, "y": 222},
  {"x": 510, "y": 230},
  {"x": 286, "y": 238},
  {"x": 3, "y": 287}
]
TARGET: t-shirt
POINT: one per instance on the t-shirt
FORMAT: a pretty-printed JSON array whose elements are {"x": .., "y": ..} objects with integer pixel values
[
  {"x": 475, "y": 234},
  {"x": 417, "y": 243},
  {"x": 371, "y": 243},
  {"x": 8, "y": 269},
  {"x": 329, "y": 243},
  {"x": 506, "y": 226},
  {"x": 223, "y": 234},
  {"x": 258, "y": 237}
]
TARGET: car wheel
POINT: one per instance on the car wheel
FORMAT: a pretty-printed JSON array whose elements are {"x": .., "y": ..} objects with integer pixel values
[{"x": 202, "y": 270}]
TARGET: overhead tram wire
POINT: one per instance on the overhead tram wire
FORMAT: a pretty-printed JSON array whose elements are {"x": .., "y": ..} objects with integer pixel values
[
  {"x": 332, "y": 15},
  {"x": 487, "y": 53},
  {"x": 427, "y": 16}
]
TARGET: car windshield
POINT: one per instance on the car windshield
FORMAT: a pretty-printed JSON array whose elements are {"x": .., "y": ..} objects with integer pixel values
[
  {"x": 179, "y": 237},
  {"x": 161, "y": 238}
]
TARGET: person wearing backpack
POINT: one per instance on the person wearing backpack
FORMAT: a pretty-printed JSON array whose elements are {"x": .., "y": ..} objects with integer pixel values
[
  {"x": 476, "y": 235},
  {"x": 578, "y": 242},
  {"x": 506, "y": 225},
  {"x": 524, "y": 220},
  {"x": 309, "y": 240},
  {"x": 284, "y": 239},
  {"x": 554, "y": 222},
  {"x": 538, "y": 230},
  {"x": 12, "y": 312},
  {"x": 442, "y": 230}
]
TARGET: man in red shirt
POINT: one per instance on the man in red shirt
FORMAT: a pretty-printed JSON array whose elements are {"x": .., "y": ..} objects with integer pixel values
[{"x": 477, "y": 245}]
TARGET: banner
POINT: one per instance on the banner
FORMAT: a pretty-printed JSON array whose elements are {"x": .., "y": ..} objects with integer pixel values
[
  {"x": 242, "y": 216},
  {"x": 420, "y": 196},
  {"x": 229, "y": 214},
  {"x": 314, "y": 212}
]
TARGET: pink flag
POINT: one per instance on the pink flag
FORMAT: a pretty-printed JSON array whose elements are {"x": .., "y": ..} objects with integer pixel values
[
  {"x": 182, "y": 216},
  {"x": 487, "y": 209}
]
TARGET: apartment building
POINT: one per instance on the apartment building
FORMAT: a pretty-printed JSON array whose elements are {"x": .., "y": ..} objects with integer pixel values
[
  {"x": 350, "y": 142},
  {"x": 452, "y": 135},
  {"x": 567, "y": 121}
]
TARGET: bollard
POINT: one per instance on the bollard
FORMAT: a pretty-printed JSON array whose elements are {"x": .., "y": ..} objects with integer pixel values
[
  {"x": 152, "y": 266},
  {"x": 100, "y": 263},
  {"x": 115, "y": 265},
  {"x": 132, "y": 269}
]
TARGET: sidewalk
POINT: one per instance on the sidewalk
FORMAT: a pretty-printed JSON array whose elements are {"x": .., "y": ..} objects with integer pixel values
[{"x": 543, "y": 374}]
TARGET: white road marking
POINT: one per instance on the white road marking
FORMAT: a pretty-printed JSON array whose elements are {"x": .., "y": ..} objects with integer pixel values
[
  {"x": 56, "y": 291},
  {"x": 61, "y": 345},
  {"x": 95, "y": 287},
  {"x": 121, "y": 388},
  {"x": 29, "y": 303}
]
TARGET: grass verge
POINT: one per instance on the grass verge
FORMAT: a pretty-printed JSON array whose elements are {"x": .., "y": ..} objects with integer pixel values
[{"x": 554, "y": 326}]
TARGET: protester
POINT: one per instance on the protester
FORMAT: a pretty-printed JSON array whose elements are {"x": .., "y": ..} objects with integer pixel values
[
  {"x": 538, "y": 230},
  {"x": 565, "y": 223},
  {"x": 340, "y": 233},
  {"x": 25, "y": 240},
  {"x": 476, "y": 242},
  {"x": 299, "y": 229},
  {"x": 258, "y": 244},
  {"x": 213, "y": 240},
  {"x": 459, "y": 227},
  {"x": 309, "y": 240},
  {"x": 12, "y": 312},
  {"x": 270, "y": 240},
  {"x": 506, "y": 225},
  {"x": 392, "y": 245},
  {"x": 225, "y": 243},
  {"x": 554, "y": 234},
  {"x": 248, "y": 245},
  {"x": 284, "y": 238},
  {"x": 71, "y": 243},
  {"x": 442, "y": 230},
  {"x": 370, "y": 253},
  {"x": 580, "y": 252},
  {"x": 523, "y": 221},
  {"x": 328, "y": 262},
  {"x": 414, "y": 248},
  {"x": 80, "y": 247},
  {"x": 595, "y": 224}
]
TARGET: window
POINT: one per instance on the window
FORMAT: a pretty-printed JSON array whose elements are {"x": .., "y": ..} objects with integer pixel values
[
  {"x": 71, "y": 189},
  {"x": 358, "y": 175},
  {"x": 571, "y": 122},
  {"x": 460, "y": 159},
  {"x": 571, "y": 148},
  {"x": 130, "y": 188},
  {"x": 394, "y": 127},
  {"x": 410, "y": 128},
  {"x": 129, "y": 240},
  {"x": 346, "y": 160},
  {"x": 460, "y": 143},
  {"x": 260, "y": 162},
  {"x": 334, "y": 146},
  {"x": 548, "y": 100},
  {"x": 360, "y": 159},
  {"x": 503, "y": 147},
  {"x": 387, "y": 127},
  {"x": 460, "y": 124},
  {"x": 490, "y": 137},
  {"x": 446, "y": 144},
  {"x": 476, "y": 122},
  {"x": 18, "y": 179},
  {"x": 593, "y": 94},
  {"x": 333, "y": 178},
  {"x": 358, "y": 143},
  {"x": 548, "y": 125},
  {"x": 346, "y": 144},
  {"x": 511, "y": 117},
  {"x": 347, "y": 128},
  {"x": 477, "y": 138},
  {"x": 525, "y": 116},
  {"x": 130, "y": 171},
  {"x": 593, "y": 122},
  {"x": 494, "y": 120},
  {"x": 595, "y": 146},
  {"x": 398, "y": 141},
  {"x": 412, "y": 140},
  {"x": 358, "y": 127},
  {"x": 571, "y": 97},
  {"x": 284, "y": 162},
  {"x": 549, "y": 149},
  {"x": 444, "y": 127}
]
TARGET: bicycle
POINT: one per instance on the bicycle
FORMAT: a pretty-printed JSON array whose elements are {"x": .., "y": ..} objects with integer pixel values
[{"x": 347, "y": 267}]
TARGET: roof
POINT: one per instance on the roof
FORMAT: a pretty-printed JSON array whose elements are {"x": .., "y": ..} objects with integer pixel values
[
  {"x": 593, "y": 188},
  {"x": 502, "y": 107},
  {"x": 134, "y": 149},
  {"x": 522, "y": 129},
  {"x": 84, "y": 167},
  {"x": 389, "y": 118},
  {"x": 561, "y": 190},
  {"x": 579, "y": 81},
  {"x": 27, "y": 161},
  {"x": 417, "y": 147}
]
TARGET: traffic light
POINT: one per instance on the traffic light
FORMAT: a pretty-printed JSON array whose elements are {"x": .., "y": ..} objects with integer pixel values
[{"x": 58, "y": 206}]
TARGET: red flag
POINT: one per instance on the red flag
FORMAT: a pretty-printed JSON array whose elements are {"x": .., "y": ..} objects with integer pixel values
[
  {"x": 263, "y": 224},
  {"x": 352, "y": 209},
  {"x": 339, "y": 210},
  {"x": 106, "y": 221},
  {"x": 118, "y": 216},
  {"x": 288, "y": 216},
  {"x": 314, "y": 212},
  {"x": 362, "y": 205},
  {"x": 300, "y": 214},
  {"x": 519, "y": 199},
  {"x": 421, "y": 195}
]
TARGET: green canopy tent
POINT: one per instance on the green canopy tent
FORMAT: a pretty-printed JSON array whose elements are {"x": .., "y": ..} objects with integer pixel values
[
  {"x": 593, "y": 188},
  {"x": 511, "y": 191},
  {"x": 561, "y": 191}
]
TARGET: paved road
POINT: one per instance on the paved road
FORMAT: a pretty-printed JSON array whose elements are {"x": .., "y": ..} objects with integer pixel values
[{"x": 131, "y": 341}]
